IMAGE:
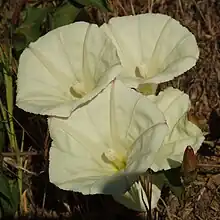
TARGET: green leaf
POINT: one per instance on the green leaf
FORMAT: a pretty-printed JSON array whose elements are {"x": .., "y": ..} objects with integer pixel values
[
  {"x": 1, "y": 73},
  {"x": 2, "y": 134},
  {"x": 29, "y": 30},
  {"x": 19, "y": 42},
  {"x": 64, "y": 15},
  {"x": 15, "y": 197},
  {"x": 9, "y": 196},
  {"x": 4, "y": 186},
  {"x": 173, "y": 180},
  {"x": 102, "y": 4}
]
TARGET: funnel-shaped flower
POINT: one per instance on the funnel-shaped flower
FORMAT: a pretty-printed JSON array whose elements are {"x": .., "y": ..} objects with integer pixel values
[
  {"x": 103, "y": 146},
  {"x": 175, "y": 105},
  {"x": 153, "y": 48},
  {"x": 64, "y": 69}
]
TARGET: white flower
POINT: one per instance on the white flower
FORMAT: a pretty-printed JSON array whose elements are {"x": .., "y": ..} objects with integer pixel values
[
  {"x": 153, "y": 48},
  {"x": 136, "y": 198},
  {"x": 104, "y": 146},
  {"x": 175, "y": 105},
  {"x": 64, "y": 69}
]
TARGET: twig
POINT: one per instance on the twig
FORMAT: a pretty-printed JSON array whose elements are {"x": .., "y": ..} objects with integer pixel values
[
  {"x": 208, "y": 165},
  {"x": 122, "y": 8},
  {"x": 181, "y": 7},
  {"x": 132, "y": 7},
  {"x": 17, "y": 11},
  {"x": 150, "y": 6},
  {"x": 21, "y": 154},
  {"x": 167, "y": 209}
]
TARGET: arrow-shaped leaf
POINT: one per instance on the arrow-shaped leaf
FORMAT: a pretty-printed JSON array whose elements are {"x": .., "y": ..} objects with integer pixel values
[
  {"x": 64, "y": 15},
  {"x": 29, "y": 30}
]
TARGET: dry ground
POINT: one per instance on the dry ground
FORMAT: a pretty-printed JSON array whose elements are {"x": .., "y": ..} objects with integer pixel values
[{"x": 202, "y": 198}]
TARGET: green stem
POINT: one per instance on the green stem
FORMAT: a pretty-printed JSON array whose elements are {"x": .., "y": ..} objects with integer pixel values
[
  {"x": 20, "y": 172},
  {"x": 4, "y": 115},
  {"x": 9, "y": 102}
]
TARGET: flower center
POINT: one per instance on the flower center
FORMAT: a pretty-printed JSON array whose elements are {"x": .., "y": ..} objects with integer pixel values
[
  {"x": 78, "y": 90},
  {"x": 110, "y": 156},
  {"x": 147, "y": 88}
]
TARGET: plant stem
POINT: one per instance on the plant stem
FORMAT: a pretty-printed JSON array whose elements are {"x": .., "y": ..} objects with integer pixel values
[{"x": 6, "y": 59}]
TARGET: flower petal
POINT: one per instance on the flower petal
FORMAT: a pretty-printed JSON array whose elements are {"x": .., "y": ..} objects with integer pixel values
[
  {"x": 145, "y": 148},
  {"x": 64, "y": 69},
  {"x": 153, "y": 48},
  {"x": 82, "y": 173},
  {"x": 136, "y": 197},
  {"x": 132, "y": 117},
  {"x": 175, "y": 106},
  {"x": 137, "y": 126},
  {"x": 82, "y": 141}
]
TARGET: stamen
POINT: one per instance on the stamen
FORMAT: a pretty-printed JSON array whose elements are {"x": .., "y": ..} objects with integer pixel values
[
  {"x": 77, "y": 90},
  {"x": 112, "y": 158}
]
